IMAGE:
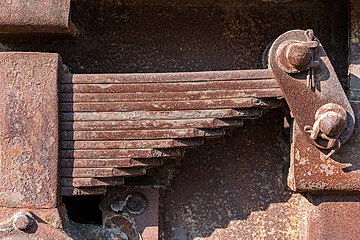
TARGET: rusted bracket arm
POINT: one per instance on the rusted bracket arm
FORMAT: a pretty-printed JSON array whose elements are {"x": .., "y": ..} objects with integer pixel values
[
  {"x": 324, "y": 118},
  {"x": 312, "y": 90}
]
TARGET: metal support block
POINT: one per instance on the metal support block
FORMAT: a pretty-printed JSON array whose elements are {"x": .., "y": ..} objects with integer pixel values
[
  {"x": 36, "y": 16},
  {"x": 28, "y": 130}
]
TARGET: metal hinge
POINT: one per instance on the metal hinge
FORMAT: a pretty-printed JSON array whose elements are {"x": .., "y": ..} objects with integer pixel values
[{"x": 312, "y": 90}]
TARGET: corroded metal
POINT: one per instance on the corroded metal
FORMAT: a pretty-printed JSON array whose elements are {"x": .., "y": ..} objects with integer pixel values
[
  {"x": 330, "y": 122},
  {"x": 325, "y": 88},
  {"x": 34, "y": 16},
  {"x": 31, "y": 224},
  {"x": 135, "y": 211},
  {"x": 312, "y": 170},
  {"x": 28, "y": 130},
  {"x": 118, "y": 125}
]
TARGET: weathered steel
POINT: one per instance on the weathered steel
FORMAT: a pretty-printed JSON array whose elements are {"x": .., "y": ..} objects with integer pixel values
[
  {"x": 118, "y": 153},
  {"x": 155, "y": 115},
  {"x": 75, "y": 191},
  {"x": 106, "y": 163},
  {"x": 306, "y": 92},
  {"x": 100, "y": 172},
  {"x": 311, "y": 170},
  {"x": 169, "y": 87},
  {"x": 17, "y": 223},
  {"x": 158, "y": 143},
  {"x": 36, "y": 16},
  {"x": 134, "y": 211},
  {"x": 140, "y": 134},
  {"x": 91, "y": 182},
  {"x": 157, "y": 106},
  {"x": 111, "y": 121},
  {"x": 150, "y": 124},
  {"x": 169, "y": 96},
  {"x": 28, "y": 130},
  {"x": 133, "y": 78}
]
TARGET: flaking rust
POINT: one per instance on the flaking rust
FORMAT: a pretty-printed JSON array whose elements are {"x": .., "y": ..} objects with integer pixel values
[
  {"x": 29, "y": 130},
  {"x": 120, "y": 125},
  {"x": 29, "y": 146},
  {"x": 312, "y": 171}
]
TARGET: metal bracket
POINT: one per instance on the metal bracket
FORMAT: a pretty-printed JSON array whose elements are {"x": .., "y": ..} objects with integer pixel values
[{"x": 312, "y": 90}]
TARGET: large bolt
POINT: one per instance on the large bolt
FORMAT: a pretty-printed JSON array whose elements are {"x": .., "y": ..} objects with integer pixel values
[
  {"x": 332, "y": 119},
  {"x": 298, "y": 55},
  {"x": 22, "y": 221}
]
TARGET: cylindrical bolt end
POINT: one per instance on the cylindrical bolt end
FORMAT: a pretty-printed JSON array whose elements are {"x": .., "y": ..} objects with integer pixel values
[{"x": 22, "y": 220}]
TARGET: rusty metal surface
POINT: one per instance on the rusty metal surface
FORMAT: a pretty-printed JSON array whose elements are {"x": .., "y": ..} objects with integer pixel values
[
  {"x": 333, "y": 217},
  {"x": 34, "y": 16},
  {"x": 127, "y": 213},
  {"x": 17, "y": 223},
  {"x": 226, "y": 192},
  {"x": 28, "y": 130},
  {"x": 119, "y": 125},
  {"x": 139, "y": 205},
  {"x": 304, "y": 101},
  {"x": 310, "y": 170},
  {"x": 158, "y": 36}
]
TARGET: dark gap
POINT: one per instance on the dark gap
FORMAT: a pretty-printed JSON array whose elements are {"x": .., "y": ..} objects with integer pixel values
[{"x": 84, "y": 209}]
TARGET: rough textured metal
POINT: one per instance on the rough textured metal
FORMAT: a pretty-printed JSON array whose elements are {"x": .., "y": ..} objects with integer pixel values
[
  {"x": 343, "y": 211},
  {"x": 140, "y": 205},
  {"x": 240, "y": 194},
  {"x": 109, "y": 122},
  {"x": 310, "y": 170},
  {"x": 303, "y": 101},
  {"x": 34, "y": 16},
  {"x": 28, "y": 130},
  {"x": 42, "y": 224}
]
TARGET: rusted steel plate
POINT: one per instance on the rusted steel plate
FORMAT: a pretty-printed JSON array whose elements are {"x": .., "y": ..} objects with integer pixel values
[
  {"x": 168, "y": 87},
  {"x": 304, "y": 101},
  {"x": 91, "y": 182},
  {"x": 152, "y": 115},
  {"x": 333, "y": 217},
  {"x": 43, "y": 224},
  {"x": 150, "y": 124},
  {"x": 169, "y": 96},
  {"x": 310, "y": 170},
  {"x": 118, "y": 153},
  {"x": 140, "y": 134},
  {"x": 28, "y": 130},
  {"x": 108, "y": 119},
  {"x": 36, "y": 16},
  {"x": 155, "y": 106},
  {"x": 255, "y": 74},
  {"x": 73, "y": 191},
  {"x": 110, "y": 163},
  {"x": 100, "y": 172},
  {"x": 158, "y": 143}
]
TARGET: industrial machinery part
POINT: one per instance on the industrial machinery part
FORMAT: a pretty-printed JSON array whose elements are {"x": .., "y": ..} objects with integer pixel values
[{"x": 116, "y": 126}]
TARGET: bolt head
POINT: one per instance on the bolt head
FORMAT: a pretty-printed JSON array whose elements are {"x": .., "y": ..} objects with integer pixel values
[
  {"x": 298, "y": 55},
  {"x": 332, "y": 124},
  {"x": 22, "y": 221},
  {"x": 136, "y": 203},
  {"x": 333, "y": 119}
]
